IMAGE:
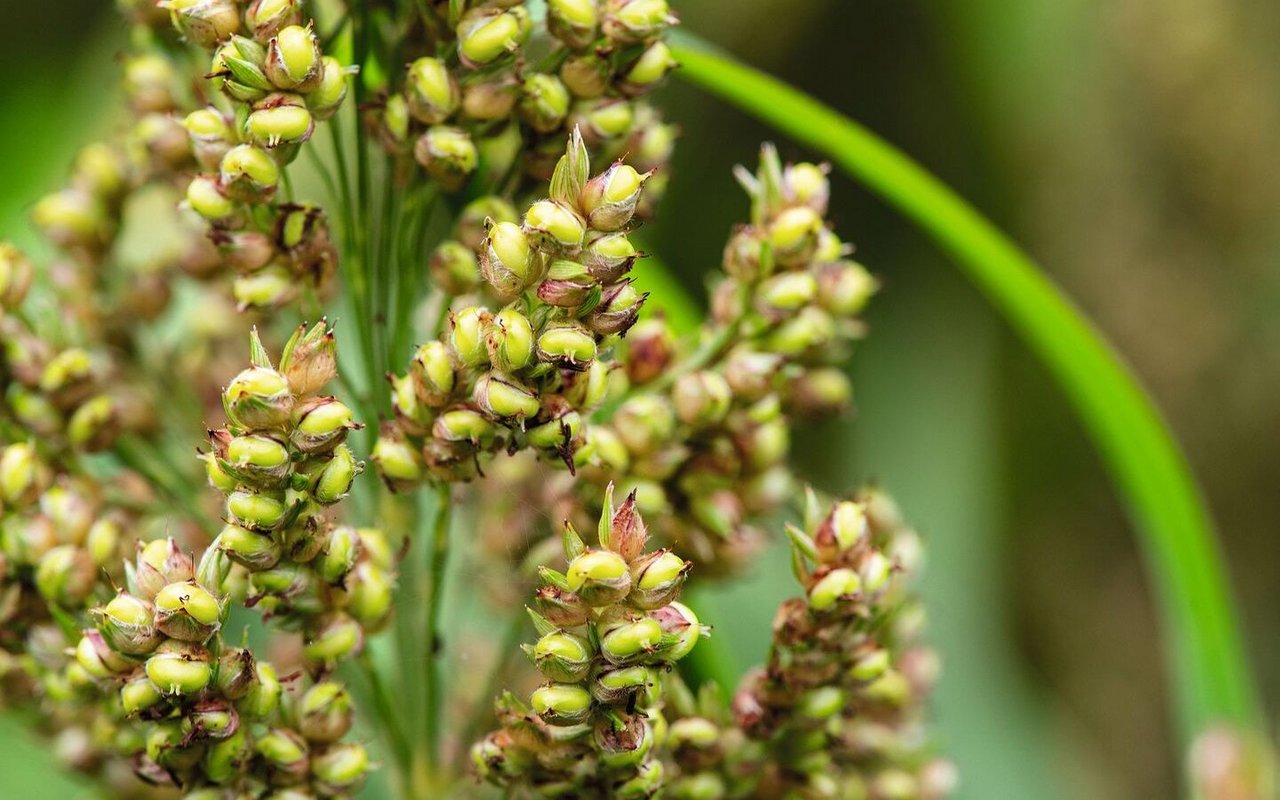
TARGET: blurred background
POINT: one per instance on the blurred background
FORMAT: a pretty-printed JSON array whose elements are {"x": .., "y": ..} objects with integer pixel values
[{"x": 1133, "y": 147}]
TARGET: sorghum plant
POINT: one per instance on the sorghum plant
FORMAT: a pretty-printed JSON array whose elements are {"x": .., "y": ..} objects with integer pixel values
[{"x": 467, "y": 207}]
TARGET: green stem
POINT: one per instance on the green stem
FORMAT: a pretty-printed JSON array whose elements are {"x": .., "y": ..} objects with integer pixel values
[
  {"x": 482, "y": 711},
  {"x": 1211, "y": 674},
  {"x": 431, "y": 630},
  {"x": 388, "y": 722}
]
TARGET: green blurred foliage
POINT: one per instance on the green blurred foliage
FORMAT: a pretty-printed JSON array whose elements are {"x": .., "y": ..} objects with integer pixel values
[{"x": 1131, "y": 146}]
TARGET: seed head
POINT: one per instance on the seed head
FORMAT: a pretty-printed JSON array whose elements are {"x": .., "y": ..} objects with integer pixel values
[
  {"x": 431, "y": 91},
  {"x": 506, "y": 259},
  {"x": 454, "y": 267},
  {"x": 447, "y": 154},
  {"x": 293, "y": 60},
  {"x": 485, "y": 35}
]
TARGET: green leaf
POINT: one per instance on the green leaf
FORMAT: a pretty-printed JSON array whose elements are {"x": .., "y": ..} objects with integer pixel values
[{"x": 1211, "y": 675}]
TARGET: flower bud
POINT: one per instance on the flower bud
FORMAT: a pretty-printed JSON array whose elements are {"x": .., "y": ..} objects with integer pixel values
[
  {"x": 842, "y": 529},
  {"x": 603, "y": 120},
  {"x": 631, "y": 642},
  {"x": 558, "y": 433},
  {"x": 637, "y": 20},
  {"x": 504, "y": 398},
  {"x": 399, "y": 463},
  {"x": 278, "y": 119},
  {"x": 15, "y": 276},
  {"x": 786, "y": 292},
  {"x": 619, "y": 309},
  {"x": 23, "y": 475},
  {"x": 340, "y": 556},
  {"x": 806, "y": 185},
  {"x": 325, "y": 100},
  {"x": 72, "y": 218},
  {"x": 159, "y": 563},
  {"x": 586, "y": 75},
  {"x": 625, "y": 745},
  {"x": 66, "y": 575},
  {"x": 463, "y": 425},
  {"x": 875, "y": 570},
  {"x": 262, "y": 695},
  {"x": 793, "y": 235},
  {"x": 567, "y": 285},
  {"x": 127, "y": 624},
  {"x": 272, "y": 287},
  {"x": 258, "y": 398},
  {"x": 490, "y": 100},
  {"x": 645, "y": 423},
  {"x": 253, "y": 550},
  {"x": 554, "y": 227},
  {"x": 259, "y": 511},
  {"x": 431, "y": 91},
  {"x": 249, "y": 173},
  {"x": 447, "y": 154},
  {"x": 574, "y": 22},
  {"x": 609, "y": 199},
  {"x": 506, "y": 261},
  {"x": 467, "y": 336},
  {"x": 225, "y": 758},
  {"x": 702, "y": 399},
  {"x": 293, "y": 59},
  {"x": 340, "y": 769},
  {"x": 679, "y": 620},
  {"x": 658, "y": 578},
  {"x": 102, "y": 542},
  {"x": 563, "y": 657},
  {"x": 651, "y": 347},
  {"x": 204, "y": 23},
  {"x": 845, "y": 287},
  {"x": 567, "y": 346},
  {"x": 509, "y": 339},
  {"x": 179, "y": 668},
  {"x": 474, "y": 220},
  {"x": 647, "y": 71},
  {"x": 149, "y": 80},
  {"x": 325, "y": 712},
  {"x": 369, "y": 596},
  {"x": 187, "y": 611},
  {"x": 336, "y": 477},
  {"x": 561, "y": 703},
  {"x": 284, "y": 751},
  {"x": 454, "y": 268},
  {"x": 336, "y": 638},
  {"x": 393, "y": 128},
  {"x": 812, "y": 328},
  {"x": 619, "y": 686},
  {"x": 544, "y": 102},
  {"x": 608, "y": 256},
  {"x": 255, "y": 459},
  {"x": 265, "y": 18},
  {"x": 244, "y": 251},
  {"x": 97, "y": 658},
  {"x": 486, "y": 35},
  {"x": 432, "y": 375},
  {"x": 211, "y": 719},
  {"x": 821, "y": 392},
  {"x": 599, "y": 577},
  {"x": 320, "y": 424},
  {"x": 206, "y": 197},
  {"x": 834, "y": 587},
  {"x": 560, "y": 608},
  {"x": 139, "y": 694}
]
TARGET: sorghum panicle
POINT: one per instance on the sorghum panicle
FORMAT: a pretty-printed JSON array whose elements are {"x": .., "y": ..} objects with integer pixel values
[{"x": 610, "y": 628}]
